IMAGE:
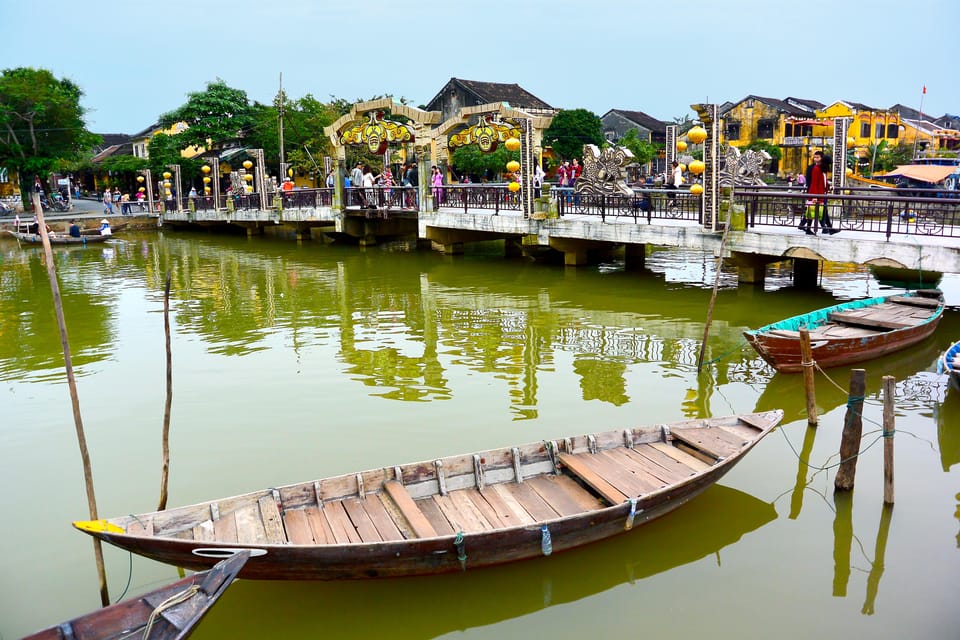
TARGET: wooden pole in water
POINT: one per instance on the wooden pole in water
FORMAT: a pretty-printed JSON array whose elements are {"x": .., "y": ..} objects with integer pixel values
[
  {"x": 889, "y": 427},
  {"x": 852, "y": 431},
  {"x": 806, "y": 353},
  {"x": 165, "y": 471},
  {"x": 74, "y": 397},
  {"x": 713, "y": 296}
]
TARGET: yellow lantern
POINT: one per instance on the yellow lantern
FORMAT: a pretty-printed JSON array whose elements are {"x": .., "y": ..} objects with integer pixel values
[
  {"x": 512, "y": 144},
  {"x": 206, "y": 179},
  {"x": 697, "y": 134},
  {"x": 290, "y": 172},
  {"x": 249, "y": 189},
  {"x": 851, "y": 141},
  {"x": 167, "y": 193},
  {"x": 513, "y": 166},
  {"x": 683, "y": 167},
  {"x": 849, "y": 171},
  {"x": 248, "y": 177},
  {"x": 139, "y": 178},
  {"x": 696, "y": 167},
  {"x": 681, "y": 145},
  {"x": 166, "y": 175},
  {"x": 206, "y": 191},
  {"x": 514, "y": 187},
  {"x": 205, "y": 168},
  {"x": 696, "y": 190},
  {"x": 166, "y": 184},
  {"x": 247, "y": 164},
  {"x": 142, "y": 189}
]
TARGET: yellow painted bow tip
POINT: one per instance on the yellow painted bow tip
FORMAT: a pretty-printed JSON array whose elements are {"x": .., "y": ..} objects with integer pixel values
[{"x": 97, "y": 526}]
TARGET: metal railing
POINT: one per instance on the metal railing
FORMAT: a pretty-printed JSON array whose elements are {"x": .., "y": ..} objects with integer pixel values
[{"x": 477, "y": 196}]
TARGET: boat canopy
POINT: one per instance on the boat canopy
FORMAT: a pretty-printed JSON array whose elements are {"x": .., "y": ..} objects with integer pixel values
[{"x": 922, "y": 172}]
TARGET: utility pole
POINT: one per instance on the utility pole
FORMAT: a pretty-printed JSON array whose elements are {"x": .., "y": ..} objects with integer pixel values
[{"x": 280, "y": 112}]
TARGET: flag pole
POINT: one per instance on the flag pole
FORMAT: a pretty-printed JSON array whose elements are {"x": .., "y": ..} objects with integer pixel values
[{"x": 916, "y": 137}]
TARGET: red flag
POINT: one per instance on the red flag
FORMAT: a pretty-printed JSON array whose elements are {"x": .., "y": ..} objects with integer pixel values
[{"x": 924, "y": 89}]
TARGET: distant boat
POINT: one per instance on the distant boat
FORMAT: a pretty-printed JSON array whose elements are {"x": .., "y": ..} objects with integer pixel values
[
  {"x": 850, "y": 332},
  {"x": 168, "y": 613},
  {"x": 454, "y": 513},
  {"x": 58, "y": 238},
  {"x": 950, "y": 363}
]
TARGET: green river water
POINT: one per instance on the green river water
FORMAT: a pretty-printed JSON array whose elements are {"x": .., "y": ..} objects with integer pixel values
[{"x": 295, "y": 361}]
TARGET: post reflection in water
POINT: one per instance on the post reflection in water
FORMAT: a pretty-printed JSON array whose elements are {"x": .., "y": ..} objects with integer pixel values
[{"x": 301, "y": 360}]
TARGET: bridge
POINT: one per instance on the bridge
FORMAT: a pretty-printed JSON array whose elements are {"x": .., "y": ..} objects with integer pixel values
[{"x": 878, "y": 228}]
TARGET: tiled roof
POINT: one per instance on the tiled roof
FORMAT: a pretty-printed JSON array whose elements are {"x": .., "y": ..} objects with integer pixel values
[
  {"x": 513, "y": 94},
  {"x": 642, "y": 119}
]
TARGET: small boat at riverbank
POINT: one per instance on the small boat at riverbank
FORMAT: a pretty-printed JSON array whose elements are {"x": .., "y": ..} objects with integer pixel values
[
  {"x": 850, "y": 332},
  {"x": 169, "y": 613},
  {"x": 57, "y": 238},
  {"x": 454, "y": 513},
  {"x": 950, "y": 363}
]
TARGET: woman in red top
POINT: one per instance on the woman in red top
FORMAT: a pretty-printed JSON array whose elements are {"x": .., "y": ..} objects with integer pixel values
[{"x": 818, "y": 183}]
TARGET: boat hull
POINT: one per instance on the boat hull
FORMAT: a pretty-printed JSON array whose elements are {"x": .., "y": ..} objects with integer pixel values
[
  {"x": 35, "y": 238},
  {"x": 469, "y": 548}
]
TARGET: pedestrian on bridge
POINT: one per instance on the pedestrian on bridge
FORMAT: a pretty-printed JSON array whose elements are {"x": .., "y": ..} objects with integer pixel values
[{"x": 818, "y": 184}]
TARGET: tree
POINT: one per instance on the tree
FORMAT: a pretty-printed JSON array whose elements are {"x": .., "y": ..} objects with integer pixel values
[
  {"x": 472, "y": 161},
  {"x": 303, "y": 123},
  {"x": 571, "y": 129},
  {"x": 41, "y": 124},
  {"x": 213, "y": 117},
  {"x": 642, "y": 150}
]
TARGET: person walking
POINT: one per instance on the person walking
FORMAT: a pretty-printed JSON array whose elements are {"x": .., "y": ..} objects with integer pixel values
[
  {"x": 817, "y": 184},
  {"x": 108, "y": 201},
  {"x": 356, "y": 181},
  {"x": 673, "y": 183}
]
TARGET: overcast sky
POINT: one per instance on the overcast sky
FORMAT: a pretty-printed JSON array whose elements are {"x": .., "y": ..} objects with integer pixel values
[{"x": 135, "y": 60}]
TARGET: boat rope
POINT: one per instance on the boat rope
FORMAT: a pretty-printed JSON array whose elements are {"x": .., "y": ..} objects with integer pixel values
[
  {"x": 172, "y": 601},
  {"x": 546, "y": 543},
  {"x": 461, "y": 550},
  {"x": 807, "y": 464},
  {"x": 633, "y": 512},
  {"x": 129, "y": 579},
  {"x": 739, "y": 347}
]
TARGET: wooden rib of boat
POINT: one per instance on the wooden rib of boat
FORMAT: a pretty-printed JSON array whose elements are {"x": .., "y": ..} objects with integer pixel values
[
  {"x": 950, "y": 363},
  {"x": 58, "y": 238},
  {"x": 168, "y": 613},
  {"x": 850, "y": 332},
  {"x": 454, "y": 513}
]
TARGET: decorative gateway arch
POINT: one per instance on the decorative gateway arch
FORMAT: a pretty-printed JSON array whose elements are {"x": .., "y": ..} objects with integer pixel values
[
  {"x": 489, "y": 125},
  {"x": 371, "y": 124}
]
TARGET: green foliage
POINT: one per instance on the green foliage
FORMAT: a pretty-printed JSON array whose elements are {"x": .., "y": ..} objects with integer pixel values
[
  {"x": 570, "y": 130},
  {"x": 642, "y": 150},
  {"x": 213, "y": 117},
  {"x": 41, "y": 123},
  {"x": 762, "y": 145},
  {"x": 479, "y": 165}
]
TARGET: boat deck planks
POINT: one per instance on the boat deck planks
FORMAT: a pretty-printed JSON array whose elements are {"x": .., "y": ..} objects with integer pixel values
[
  {"x": 661, "y": 465},
  {"x": 621, "y": 479},
  {"x": 298, "y": 527},
  {"x": 556, "y": 495},
  {"x": 641, "y": 472},
  {"x": 578, "y": 467},
  {"x": 684, "y": 458},
  {"x": 411, "y": 512},
  {"x": 361, "y": 520},
  {"x": 343, "y": 529},
  {"x": 466, "y": 506},
  {"x": 535, "y": 505},
  {"x": 225, "y": 528},
  {"x": 706, "y": 440},
  {"x": 435, "y": 517},
  {"x": 504, "y": 512},
  {"x": 481, "y": 504},
  {"x": 250, "y": 526},
  {"x": 513, "y": 504},
  {"x": 272, "y": 522},
  {"x": 319, "y": 526}
]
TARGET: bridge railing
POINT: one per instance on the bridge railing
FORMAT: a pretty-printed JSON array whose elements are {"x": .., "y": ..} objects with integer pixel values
[
  {"x": 381, "y": 197},
  {"x": 307, "y": 198},
  {"x": 477, "y": 196}
]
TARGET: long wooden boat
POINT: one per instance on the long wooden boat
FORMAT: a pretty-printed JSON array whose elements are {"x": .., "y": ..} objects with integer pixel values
[
  {"x": 850, "y": 332},
  {"x": 950, "y": 363},
  {"x": 453, "y": 513},
  {"x": 57, "y": 238},
  {"x": 168, "y": 613}
]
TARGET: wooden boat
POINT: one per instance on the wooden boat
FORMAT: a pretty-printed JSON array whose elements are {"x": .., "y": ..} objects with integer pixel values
[
  {"x": 950, "y": 363},
  {"x": 850, "y": 332},
  {"x": 168, "y": 613},
  {"x": 57, "y": 238},
  {"x": 453, "y": 513}
]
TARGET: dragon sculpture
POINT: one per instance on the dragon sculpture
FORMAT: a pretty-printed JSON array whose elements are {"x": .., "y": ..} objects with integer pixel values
[{"x": 603, "y": 172}]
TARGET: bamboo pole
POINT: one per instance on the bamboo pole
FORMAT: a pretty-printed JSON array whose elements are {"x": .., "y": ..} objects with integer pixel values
[
  {"x": 809, "y": 389},
  {"x": 889, "y": 427},
  {"x": 74, "y": 397},
  {"x": 713, "y": 296},
  {"x": 852, "y": 431},
  {"x": 165, "y": 470}
]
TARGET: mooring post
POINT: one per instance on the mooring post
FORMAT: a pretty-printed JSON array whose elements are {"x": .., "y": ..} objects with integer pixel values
[
  {"x": 852, "y": 431},
  {"x": 806, "y": 354},
  {"x": 889, "y": 428}
]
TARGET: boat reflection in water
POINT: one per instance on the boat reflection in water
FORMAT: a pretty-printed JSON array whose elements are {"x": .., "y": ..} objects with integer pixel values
[{"x": 713, "y": 521}]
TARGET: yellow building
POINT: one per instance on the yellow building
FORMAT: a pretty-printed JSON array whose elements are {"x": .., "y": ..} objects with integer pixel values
[
  {"x": 868, "y": 126},
  {"x": 141, "y": 141}
]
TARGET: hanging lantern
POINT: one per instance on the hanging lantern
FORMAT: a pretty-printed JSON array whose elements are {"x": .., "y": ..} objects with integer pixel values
[
  {"x": 683, "y": 167},
  {"x": 696, "y": 167},
  {"x": 851, "y": 141},
  {"x": 514, "y": 187},
  {"x": 139, "y": 178},
  {"x": 205, "y": 168},
  {"x": 247, "y": 164},
  {"x": 248, "y": 177},
  {"x": 696, "y": 190},
  {"x": 849, "y": 171},
  {"x": 167, "y": 193},
  {"x": 512, "y": 144},
  {"x": 249, "y": 189},
  {"x": 166, "y": 175},
  {"x": 681, "y": 146},
  {"x": 513, "y": 166},
  {"x": 697, "y": 134},
  {"x": 206, "y": 179},
  {"x": 166, "y": 184},
  {"x": 142, "y": 189},
  {"x": 206, "y": 191},
  {"x": 290, "y": 172}
]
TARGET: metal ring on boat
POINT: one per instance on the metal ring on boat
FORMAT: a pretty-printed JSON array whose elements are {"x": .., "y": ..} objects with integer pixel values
[{"x": 218, "y": 552}]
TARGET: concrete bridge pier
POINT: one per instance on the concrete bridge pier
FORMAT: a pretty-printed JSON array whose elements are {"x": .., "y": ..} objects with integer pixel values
[
  {"x": 805, "y": 272},
  {"x": 751, "y": 267},
  {"x": 635, "y": 256},
  {"x": 576, "y": 252}
]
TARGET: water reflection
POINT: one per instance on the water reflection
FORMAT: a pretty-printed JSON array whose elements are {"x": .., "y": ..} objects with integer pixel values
[{"x": 432, "y": 606}]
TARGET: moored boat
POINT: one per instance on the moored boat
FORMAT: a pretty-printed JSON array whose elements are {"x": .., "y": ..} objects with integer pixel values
[
  {"x": 453, "y": 513},
  {"x": 950, "y": 363},
  {"x": 168, "y": 613},
  {"x": 57, "y": 238},
  {"x": 850, "y": 332}
]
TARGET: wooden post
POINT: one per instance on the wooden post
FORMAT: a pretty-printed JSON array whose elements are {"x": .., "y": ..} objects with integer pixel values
[
  {"x": 165, "y": 438},
  {"x": 852, "y": 431},
  {"x": 74, "y": 396},
  {"x": 806, "y": 354},
  {"x": 889, "y": 427}
]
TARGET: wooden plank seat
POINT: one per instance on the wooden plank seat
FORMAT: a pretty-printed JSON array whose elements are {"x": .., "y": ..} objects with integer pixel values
[
  {"x": 857, "y": 320},
  {"x": 916, "y": 301},
  {"x": 715, "y": 442},
  {"x": 408, "y": 508}
]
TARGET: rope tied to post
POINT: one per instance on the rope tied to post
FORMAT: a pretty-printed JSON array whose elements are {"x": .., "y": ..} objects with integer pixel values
[{"x": 461, "y": 550}]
